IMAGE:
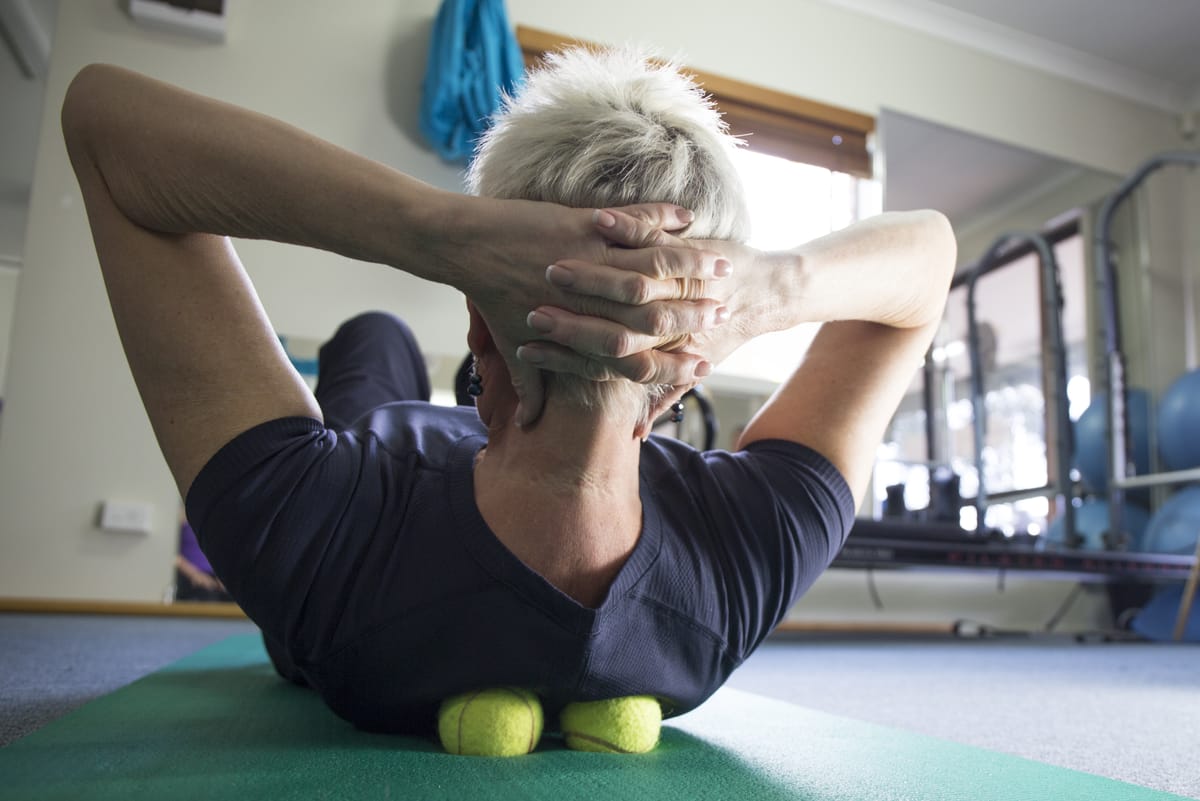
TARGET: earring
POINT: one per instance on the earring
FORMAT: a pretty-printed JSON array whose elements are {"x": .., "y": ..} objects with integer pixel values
[
  {"x": 474, "y": 382},
  {"x": 677, "y": 412}
]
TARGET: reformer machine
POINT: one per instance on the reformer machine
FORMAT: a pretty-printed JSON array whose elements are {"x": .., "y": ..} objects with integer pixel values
[
  {"x": 1123, "y": 472},
  {"x": 941, "y": 542}
]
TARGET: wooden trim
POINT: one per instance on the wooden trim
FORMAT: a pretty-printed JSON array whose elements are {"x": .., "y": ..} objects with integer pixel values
[
  {"x": 798, "y": 139},
  {"x": 770, "y": 121},
  {"x": 86, "y": 607},
  {"x": 791, "y": 105}
]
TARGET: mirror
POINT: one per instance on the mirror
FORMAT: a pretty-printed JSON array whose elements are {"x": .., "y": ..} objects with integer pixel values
[{"x": 987, "y": 189}]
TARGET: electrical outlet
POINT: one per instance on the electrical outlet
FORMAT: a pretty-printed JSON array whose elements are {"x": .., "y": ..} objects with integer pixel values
[{"x": 126, "y": 516}]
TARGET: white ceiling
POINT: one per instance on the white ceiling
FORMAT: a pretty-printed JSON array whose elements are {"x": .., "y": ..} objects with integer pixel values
[
  {"x": 967, "y": 177},
  {"x": 1147, "y": 50},
  {"x": 1160, "y": 38}
]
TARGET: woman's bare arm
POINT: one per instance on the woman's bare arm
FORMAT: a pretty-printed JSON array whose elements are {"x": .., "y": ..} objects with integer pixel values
[
  {"x": 168, "y": 175},
  {"x": 879, "y": 286}
]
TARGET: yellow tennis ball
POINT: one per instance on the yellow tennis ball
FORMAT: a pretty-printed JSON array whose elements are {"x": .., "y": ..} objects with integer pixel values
[
  {"x": 505, "y": 721},
  {"x": 628, "y": 725}
]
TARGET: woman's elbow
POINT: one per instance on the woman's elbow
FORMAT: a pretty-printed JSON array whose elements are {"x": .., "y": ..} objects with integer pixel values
[
  {"x": 83, "y": 106},
  {"x": 941, "y": 241}
]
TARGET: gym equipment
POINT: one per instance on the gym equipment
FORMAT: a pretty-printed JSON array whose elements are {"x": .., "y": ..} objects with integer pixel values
[
  {"x": 697, "y": 425},
  {"x": 1156, "y": 620},
  {"x": 1056, "y": 396},
  {"x": 1176, "y": 525},
  {"x": 221, "y": 724},
  {"x": 1091, "y": 442},
  {"x": 900, "y": 539},
  {"x": 1091, "y": 528},
  {"x": 1120, "y": 447},
  {"x": 1178, "y": 423},
  {"x": 945, "y": 501}
]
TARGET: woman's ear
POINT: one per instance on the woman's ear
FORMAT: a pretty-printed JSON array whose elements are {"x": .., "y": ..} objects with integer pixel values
[
  {"x": 479, "y": 336},
  {"x": 659, "y": 409}
]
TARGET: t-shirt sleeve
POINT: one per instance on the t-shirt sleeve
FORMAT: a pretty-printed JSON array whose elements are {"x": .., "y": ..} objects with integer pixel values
[
  {"x": 265, "y": 510},
  {"x": 783, "y": 513}
]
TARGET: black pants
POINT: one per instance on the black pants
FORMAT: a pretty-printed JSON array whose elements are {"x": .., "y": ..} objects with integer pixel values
[{"x": 371, "y": 360}]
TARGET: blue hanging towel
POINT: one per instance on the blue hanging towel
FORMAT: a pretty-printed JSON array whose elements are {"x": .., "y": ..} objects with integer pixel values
[{"x": 473, "y": 59}]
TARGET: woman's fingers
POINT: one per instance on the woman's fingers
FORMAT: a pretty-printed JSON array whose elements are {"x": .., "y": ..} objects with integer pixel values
[
  {"x": 647, "y": 367},
  {"x": 610, "y": 283},
  {"x": 641, "y": 276},
  {"x": 665, "y": 216},
  {"x": 629, "y": 230},
  {"x": 628, "y": 330},
  {"x": 649, "y": 250},
  {"x": 593, "y": 336}
]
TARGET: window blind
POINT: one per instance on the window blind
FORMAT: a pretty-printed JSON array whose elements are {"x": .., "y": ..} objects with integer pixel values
[{"x": 770, "y": 121}]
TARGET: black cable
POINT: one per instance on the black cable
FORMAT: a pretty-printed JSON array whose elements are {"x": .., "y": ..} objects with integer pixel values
[
  {"x": 1063, "y": 608},
  {"x": 875, "y": 599}
]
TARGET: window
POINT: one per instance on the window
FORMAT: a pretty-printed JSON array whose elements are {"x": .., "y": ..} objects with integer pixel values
[
  {"x": 775, "y": 123},
  {"x": 792, "y": 203},
  {"x": 807, "y": 169}
]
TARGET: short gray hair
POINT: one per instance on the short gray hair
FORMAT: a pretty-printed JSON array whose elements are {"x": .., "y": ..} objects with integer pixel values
[{"x": 609, "y": 128}]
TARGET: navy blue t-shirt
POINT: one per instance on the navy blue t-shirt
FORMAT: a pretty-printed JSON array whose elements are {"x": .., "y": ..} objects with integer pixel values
[{"x": 362, "y": 555}]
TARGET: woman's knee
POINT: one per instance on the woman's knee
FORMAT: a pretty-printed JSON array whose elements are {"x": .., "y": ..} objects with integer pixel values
[{"x": 374, "y": 324}]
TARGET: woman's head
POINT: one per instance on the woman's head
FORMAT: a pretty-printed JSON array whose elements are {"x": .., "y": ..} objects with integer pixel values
[{"x": 612, "y": 128}]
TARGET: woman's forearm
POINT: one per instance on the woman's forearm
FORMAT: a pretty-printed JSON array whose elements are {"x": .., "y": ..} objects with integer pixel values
[
  {"x": 176, "y": 162},
  {"x": 892, "y": 269},
  {"x": 169, "y": 161}
]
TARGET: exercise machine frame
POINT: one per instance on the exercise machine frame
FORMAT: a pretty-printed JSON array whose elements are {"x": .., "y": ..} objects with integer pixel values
[{"x": 1122, "y": 468}]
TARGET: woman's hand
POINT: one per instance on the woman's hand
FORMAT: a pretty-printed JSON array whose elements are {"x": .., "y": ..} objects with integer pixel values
[
  {"x": 643, "y": 336},
  {"x": 501, "y": 254}
]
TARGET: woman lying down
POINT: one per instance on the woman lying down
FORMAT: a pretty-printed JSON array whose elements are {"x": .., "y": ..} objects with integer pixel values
[{"x": 398, "y": 555}]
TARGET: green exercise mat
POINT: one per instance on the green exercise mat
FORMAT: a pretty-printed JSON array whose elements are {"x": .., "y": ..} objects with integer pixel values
[{"x": 220, "y": 724}]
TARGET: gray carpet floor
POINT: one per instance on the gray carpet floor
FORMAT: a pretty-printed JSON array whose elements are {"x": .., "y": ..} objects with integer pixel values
[{"x": 1128, "y": 711}]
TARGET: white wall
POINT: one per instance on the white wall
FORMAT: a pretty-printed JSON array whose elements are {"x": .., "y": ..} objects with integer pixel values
[
  {"x": 862, "y": 63},
  {"x": 9, "y": 278},
  {"x": 22, "y": 109},
  {"x": 73, "y": 430},
  {"x": 73, "y": 433},
  {"x": 1191, "y": 262},
  {"x": 1169, "y": 255}
]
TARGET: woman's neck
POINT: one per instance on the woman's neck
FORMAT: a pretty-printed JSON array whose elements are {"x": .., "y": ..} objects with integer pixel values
[{"x": 563, "y": 496}]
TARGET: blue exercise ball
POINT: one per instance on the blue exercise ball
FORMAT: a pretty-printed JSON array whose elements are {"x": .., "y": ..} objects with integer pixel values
[
  {"x": 1091, "y": 443},
  {"x": 1091, "y": 523},
  {"x": 1179, "y": 423},
  {"x": 1174, "y": 527}
]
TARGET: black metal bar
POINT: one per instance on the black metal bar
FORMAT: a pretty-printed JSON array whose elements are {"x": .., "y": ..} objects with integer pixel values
[
  {"x": 927, "y": 398},
  {"x": 1017, "y": 249},
  {"x": 994, "y": 257},
  {"x": 868, "y": 548},
  {"x": 1121, "y": 462},
  {"x": 1009, "y": 496}
]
